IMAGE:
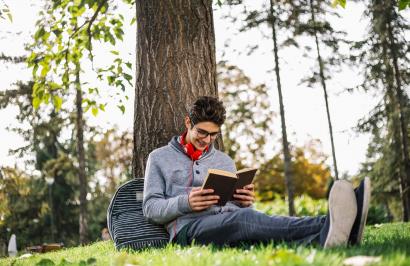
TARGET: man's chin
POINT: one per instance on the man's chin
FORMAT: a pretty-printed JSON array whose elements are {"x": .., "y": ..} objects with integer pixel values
[{"x": 200, "y": 147}]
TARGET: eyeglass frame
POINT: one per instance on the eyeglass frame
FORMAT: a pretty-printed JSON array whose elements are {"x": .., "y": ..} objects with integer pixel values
[{"x": 204, "y": 134}]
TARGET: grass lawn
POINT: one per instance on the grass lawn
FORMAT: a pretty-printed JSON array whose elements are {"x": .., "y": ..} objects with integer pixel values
[{"x": 389, "y": 241}]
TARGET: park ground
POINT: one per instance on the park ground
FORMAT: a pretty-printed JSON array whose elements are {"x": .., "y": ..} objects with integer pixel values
[{"x": 389, "y": 243}]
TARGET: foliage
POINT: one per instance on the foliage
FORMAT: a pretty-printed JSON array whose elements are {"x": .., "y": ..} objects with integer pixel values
[
  {"x": 304, "y": 206},
  {"x": 249, "y": 117},
  {"x": 113, "y": 153},
  {"x": 24, "y": 210},
  {"x": 64, "y": 35},
  {"x": 311, "y": 174},
  {"x": 378, "y": 214},
  {"x": 403, "y": 4},
  {"x": 55, "y": 157},
  {"x": 389, "y": 241},
  {"x": 341, "y": 3},
  {"x": 5, "y": 11},
  {"x": 374, "y": 54}
]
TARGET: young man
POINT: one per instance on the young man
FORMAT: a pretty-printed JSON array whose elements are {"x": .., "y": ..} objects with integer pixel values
[{"x": 173, "y": 196}]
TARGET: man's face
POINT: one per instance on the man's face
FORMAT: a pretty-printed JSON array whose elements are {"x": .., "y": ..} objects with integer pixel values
[{"x": 201, "y": 134}]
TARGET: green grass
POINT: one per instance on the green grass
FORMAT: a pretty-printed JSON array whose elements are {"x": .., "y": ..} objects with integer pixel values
[{"x": 390, "y": 241}]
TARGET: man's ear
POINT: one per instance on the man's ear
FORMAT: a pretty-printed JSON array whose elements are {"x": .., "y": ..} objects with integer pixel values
[{"x": 187, "y": 122}]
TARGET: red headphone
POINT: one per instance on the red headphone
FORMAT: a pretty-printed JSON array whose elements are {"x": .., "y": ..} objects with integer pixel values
[{"x": 189, "y": 149}]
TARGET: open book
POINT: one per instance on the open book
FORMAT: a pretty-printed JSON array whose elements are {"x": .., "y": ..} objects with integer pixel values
[{"x": 225, "y": 183}]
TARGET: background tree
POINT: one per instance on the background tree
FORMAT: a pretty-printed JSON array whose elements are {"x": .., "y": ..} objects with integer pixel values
[
  {"x": 311, "y": 174},
  {"x": 273, "y": 15},
  {"x": 51, "y": 159},
  {"x": 272, "y": 18},
  {"x": 65, "y": 31},
  {"x": 249, "y": 123},
  {"x": 307, "y": 18},
  {"x": 384, "y": 56},
  {"x": 114, "y": 155}
]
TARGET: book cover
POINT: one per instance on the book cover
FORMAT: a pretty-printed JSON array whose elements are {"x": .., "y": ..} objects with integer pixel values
[{"x": 225, "y": 183}]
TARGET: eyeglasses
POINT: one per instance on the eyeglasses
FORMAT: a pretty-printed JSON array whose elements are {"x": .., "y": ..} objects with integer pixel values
[{"x": 200, "y": 133}]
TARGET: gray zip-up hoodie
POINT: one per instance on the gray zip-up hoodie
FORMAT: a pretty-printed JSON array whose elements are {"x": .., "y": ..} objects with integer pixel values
[{"x": 169, "y": 177}]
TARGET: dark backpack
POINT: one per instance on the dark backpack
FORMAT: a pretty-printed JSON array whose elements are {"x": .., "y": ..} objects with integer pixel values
[{"x": 126, "y": 224}]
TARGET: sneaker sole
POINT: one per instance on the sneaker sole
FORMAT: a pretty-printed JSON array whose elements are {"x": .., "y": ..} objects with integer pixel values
[
  {"x": 342, "y": 212},
  {"x": 365, "y": 209}
]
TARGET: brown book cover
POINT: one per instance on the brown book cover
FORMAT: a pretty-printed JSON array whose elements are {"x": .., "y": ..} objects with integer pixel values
[{"x": 225, "y": 183}]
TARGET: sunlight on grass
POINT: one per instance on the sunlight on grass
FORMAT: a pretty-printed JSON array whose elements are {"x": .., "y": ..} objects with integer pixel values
[{"x": 390, "y": 241}]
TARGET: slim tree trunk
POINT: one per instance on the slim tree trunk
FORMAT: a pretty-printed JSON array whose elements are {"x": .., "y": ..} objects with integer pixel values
[
  {"x": 401, "y": 111},
  {"x": 81, "y": 161},
  {"x": 175, "y": 64},
  {"x": 323, "y": 82},
  {"x": 286, "y": 152},
  {"x": 391, "y": 108}
]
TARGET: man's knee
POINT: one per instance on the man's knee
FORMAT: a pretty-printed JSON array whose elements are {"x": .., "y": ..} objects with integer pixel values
[{"x": 245, "y": 214}]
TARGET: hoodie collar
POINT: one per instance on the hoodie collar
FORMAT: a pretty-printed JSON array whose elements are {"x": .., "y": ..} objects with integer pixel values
[{"x": 176, "y": 145}]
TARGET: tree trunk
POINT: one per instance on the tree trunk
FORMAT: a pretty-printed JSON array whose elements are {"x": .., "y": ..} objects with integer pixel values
[
  {"x": 323, "y": 82},
  {"x": 175, "y": 64},
  {"x": 81, "y": 161},
  {"x": 392, "y": 115},
  {"x": 401, "y": 111},
  {"x": 286, "y": 152}
]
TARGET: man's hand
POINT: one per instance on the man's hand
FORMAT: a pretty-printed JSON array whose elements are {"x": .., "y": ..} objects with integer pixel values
[
  {"x": 200, "y": 199},
  {"x": 245, "y": 196}
]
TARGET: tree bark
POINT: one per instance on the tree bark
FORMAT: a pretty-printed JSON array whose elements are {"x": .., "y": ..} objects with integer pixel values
[
  {"x": 285, "y": 143},
  {"x": 323, "y": 82},
  {"x": 401, "y": 111},
  {"x": 175, "y": 64},
  {"x": 83, "y": 227}
]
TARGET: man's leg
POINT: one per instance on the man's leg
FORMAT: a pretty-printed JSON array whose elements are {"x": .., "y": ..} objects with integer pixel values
[
  {"x": 250, "y": 226},
  {"x": 247, "y": 225}
]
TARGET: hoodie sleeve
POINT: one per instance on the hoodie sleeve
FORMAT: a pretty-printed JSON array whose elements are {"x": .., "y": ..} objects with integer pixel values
[{"x": 156, "y": 207}]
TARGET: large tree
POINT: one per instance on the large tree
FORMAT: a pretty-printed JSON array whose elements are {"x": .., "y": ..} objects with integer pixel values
[
  {"x": 175, "y": 64},
  {"x": 384, "y": 57}
]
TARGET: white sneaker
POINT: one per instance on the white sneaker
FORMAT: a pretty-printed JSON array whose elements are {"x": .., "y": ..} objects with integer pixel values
[{"x": 341, "y": 216}]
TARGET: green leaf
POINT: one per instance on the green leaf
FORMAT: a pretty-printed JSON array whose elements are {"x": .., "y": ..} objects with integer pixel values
[
  {"x": 128, "y": 77},
  {"x": 35, "y": 68},
  {"x": 36, "y": 102},
  {"x": 110, "y": 79},
  {"x": 133, "y": 20},
  {"x": 115, "y": 52},
  {"x": 10, "y": 17},
  {"x": 39, "y": 33},
  {"x": 94, "y": 111},
  {"x": 122, "y": 108},
  {"x": 129, "y": 65},
  {"x": 342, "y": 3},
  {"x": 57, "y": 102},
  {"x": 403, "y": 4},
  {"x": 102, "y": 107},
  {"x": 44, "y": 71},
  {"x": 65, "y": 78}
]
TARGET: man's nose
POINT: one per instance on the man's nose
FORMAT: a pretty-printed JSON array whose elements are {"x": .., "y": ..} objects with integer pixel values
[{"x": 207, "y": 139}]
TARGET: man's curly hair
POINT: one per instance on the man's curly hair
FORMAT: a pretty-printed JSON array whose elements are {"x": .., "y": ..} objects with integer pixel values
[{"x": 207, "y": 109}]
